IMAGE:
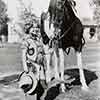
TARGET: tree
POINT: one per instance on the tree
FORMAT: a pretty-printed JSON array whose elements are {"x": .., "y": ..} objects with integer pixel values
[
  {"x": 3, "y": 18},
  {"x": 96, "y": 5},
  {"x": 26, "y": 15}
]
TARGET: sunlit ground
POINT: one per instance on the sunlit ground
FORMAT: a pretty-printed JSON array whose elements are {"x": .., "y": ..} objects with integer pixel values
[{"x": 10, "y": 62}]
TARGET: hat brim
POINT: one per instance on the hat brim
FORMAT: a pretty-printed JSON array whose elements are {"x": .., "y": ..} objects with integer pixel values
[
  {"x": 34, "y": 82},
  {"x": 33, "y": 79}
]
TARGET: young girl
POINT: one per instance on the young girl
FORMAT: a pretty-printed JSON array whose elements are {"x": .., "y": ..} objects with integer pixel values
[{"x": 33, "y": 54}]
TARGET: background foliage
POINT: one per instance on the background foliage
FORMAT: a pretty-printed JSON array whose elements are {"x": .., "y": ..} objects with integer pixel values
[{"x": 3, "y": 18}]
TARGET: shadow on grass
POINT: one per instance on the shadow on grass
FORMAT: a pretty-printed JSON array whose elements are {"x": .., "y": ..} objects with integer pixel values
[
  {"x": 9, "y": 79},
  {"x": 74, "y": 73},
  {"x": 53, "y": 92}
]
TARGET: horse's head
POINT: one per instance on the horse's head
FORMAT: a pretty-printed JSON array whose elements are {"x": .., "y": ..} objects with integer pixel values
[
  {"x": 56, "y": 11},
  {"x": 60, "y": 9},
  {"x": 55, "y": 5}
]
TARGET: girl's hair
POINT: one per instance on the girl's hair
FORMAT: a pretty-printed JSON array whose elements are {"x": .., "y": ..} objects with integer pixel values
[{"x": 27, "y": 30}]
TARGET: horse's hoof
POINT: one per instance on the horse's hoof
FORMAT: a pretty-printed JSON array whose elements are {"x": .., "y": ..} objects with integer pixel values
[
  {"x": 62, "y": 88},
  {"x": 85, "y": 88},
  {"x": 48, "y": 80},
  {"x": 57, "y": 77},
  {"x": 44, "y": 84}
]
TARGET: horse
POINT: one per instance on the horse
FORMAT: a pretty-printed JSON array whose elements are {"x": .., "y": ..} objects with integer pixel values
[{"x": 70, "y": 34}]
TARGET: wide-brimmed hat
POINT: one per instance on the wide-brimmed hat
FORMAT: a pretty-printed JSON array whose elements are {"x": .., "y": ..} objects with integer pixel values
[{"x": 28, "y": 82}]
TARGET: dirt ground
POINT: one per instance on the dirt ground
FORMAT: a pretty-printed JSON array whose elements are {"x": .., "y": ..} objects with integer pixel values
[{"x": 10, "y": 62}]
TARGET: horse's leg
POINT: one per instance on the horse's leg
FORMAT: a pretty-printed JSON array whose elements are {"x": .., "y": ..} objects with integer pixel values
[
  {"x": 56, "y": 65},
  {"x": 81, "y": 72},
  {"x": 61, "y": 58},
  {"x": 39, "y": 91},
  {"x": 42, "y": 74},
  {"x": 48, "y": 78},
  {"x": 43, "y": 77}
]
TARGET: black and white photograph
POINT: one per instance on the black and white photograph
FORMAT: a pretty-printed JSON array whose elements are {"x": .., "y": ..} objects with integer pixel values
[{"x": 49, "y": 49}]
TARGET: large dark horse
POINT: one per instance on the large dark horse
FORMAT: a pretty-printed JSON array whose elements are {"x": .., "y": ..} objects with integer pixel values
[{"x": 62, "y": 16}]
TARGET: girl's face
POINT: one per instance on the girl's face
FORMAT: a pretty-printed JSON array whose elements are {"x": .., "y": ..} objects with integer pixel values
[{"x": 34, "y": 31}]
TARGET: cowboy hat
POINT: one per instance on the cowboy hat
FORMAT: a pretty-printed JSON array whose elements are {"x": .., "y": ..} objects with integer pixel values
[{"x": 28, "y": 82}]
